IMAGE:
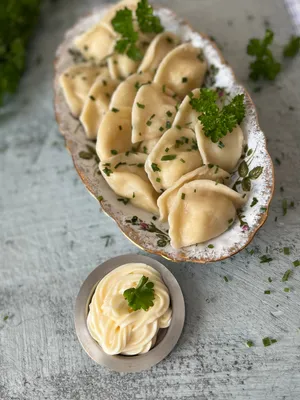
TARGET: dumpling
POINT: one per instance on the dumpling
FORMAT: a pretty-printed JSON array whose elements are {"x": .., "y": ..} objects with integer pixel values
[
  {"x": 186, "y": 116},
  {"x": 175, "y": 154},
  {"x": 182, "y": 70},
  {"x": 120, "y": 66},
  {"x": 96, "y": 43},
  {"x": 201, "y": 211},
  {"x": 161, "y": 45},
  {"x": 225, "y": 155},
  {"x": 125, "y": 93},
  {"x": 126, "y": 176},
  {"x": 210, "y": 172},
  {"x": 96, "y": 104},
  {"x": 76, "y": 82},
  {"x": 146, "y": 146},
  {"x": 114, "y": 135},
  {"x": 152, "y": 114}
]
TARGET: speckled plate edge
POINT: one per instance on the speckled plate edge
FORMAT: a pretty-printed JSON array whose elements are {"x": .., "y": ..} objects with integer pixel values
[
  {"x": 142, "y": 361},
  {"x": 225, "y": 245}
]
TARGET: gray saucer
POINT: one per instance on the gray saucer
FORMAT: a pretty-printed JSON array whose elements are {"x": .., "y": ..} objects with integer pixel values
[{"x": 167, "y": 338}]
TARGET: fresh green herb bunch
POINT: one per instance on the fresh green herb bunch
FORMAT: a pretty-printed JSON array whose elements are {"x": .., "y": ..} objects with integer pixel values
[
  {"x": 123, "y": 24},
  {"x": 264, "y": 66},
  {"x": 218, "y": 122},
  {"x": 292, "y": 48},
  {"x": 142, "y": 296},
  {"x": 17, "y": 20}
]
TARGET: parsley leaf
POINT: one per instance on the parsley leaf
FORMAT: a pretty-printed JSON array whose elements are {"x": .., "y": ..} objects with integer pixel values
[
  {"x": 217, "y": 123},
  {"x": 291, "y": 49},
  {"x": 17, "y": 20},
  {"x": 265, "y": 66},
  {"x": 142, "y": 296},
  {"x": 146, "y": 20},
  {"x": 123, "y": 24}
]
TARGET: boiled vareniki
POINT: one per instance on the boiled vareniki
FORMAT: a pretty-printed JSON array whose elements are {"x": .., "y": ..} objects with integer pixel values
[
  {"x": 126, "y": 176},
  {"x": 210, "y": 172},
  {"x": 202, "y": 210}
]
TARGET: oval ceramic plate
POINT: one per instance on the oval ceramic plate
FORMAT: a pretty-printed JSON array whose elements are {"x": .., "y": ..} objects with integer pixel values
[{"x": 139, "y": 226}]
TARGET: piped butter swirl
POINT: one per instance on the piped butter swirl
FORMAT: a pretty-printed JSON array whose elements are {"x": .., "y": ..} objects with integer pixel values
[{"x": 114, "y": 325}]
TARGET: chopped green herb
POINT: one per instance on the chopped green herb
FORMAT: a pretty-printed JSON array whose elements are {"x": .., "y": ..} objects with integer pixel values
[
  {"x": 168, "y": 124},
  {"x": 140, "y": 105},
  {"x": 115, "y": 110},
  {"x": 133, "y": 195},
  {"x": 264, "y": 66},
  {"x": 85, "y": 155},
  {"x": 120, "y": 127},
  {"x": 155, "y": 167},
  {"x": 286, "y": 275},
  {"x": 114, "y": 152},
  {"x": 169, "y": 40},
  {"x": 284, "y": 206},
  {"x": 119, "y": 164},
  {"x": 267, "y": 292},
  {"x": 140, "y": 165},
  {"x": 263, "y": 209},
  {"x": 293, "y": 47},
  {"x": 158, "y": 180},
  {"x": 200, "y": 56},
  {"x": 183, "y": 196},
  {"x": 226, "y": 279},
  {"x": 210, "y": 246},
  {"x": 145, "y": 150},
  {"x": 296, "y": 263},
  {"x": 210, "y": 165},
  {"x": 161, "y": 128},
  {"x": 184, "y": 79},
  {"x": 107, "y": 171},
  {"x": 254, "y": 201},
  {"x": 286, "y": 251},
  {"x": 270, "y": 279},
  {"x": 164, "y": 88},
  {"x": 221, "y": 145},
  {"x": 249, "y": 343},
  {"x": 168, "y": 157},
  {"x": 286, "y": 289},
  {"x": 5, "y": 318},
  {"x": 230, "y": 221},
  {"x": 267, "y": 341},
  {"x": 124, "y": 201},
  {"x": 169, "y": 114},
  {"x": 182, "y": 160},
  {"x": 92, "y": 98},
  {"x": 265, "y": 259},
  {"x": 149, "y": 123},
  {"x": 142, "y": 296},
  {"x": 178, "y": 127},
  {"x": 100, "y": 198},
  {"x": 167, "y": 149}
]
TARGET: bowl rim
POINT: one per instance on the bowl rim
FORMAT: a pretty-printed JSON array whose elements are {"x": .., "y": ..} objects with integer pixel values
[
  {"x": 139, "y": 362},
  {"x": 126, "y": 230}
]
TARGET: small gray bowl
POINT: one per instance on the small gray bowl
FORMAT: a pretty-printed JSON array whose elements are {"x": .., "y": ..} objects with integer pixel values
[{"x": 167, "y": 338}]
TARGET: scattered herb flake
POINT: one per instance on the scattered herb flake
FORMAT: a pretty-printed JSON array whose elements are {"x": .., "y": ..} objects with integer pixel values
[
  {"x": 265, "y": 259},
  {"x": 267, "y": 341},
  {"x": 184, "y": 79},
  {"x": 225, "y": 278},
  {"x": 183, "y": 196},
  {"x": 124, "y": 200},
  {"x": 140, "y": 105},
  {"x": 210, "y": 246},
  {"x": 286, "y": 289},
  {"x": 155, "y": 167},
  {"x": 296, "y": 263},
  {"x": 107, "y": 171},
  {"x": 254, "y": 201},
  {"x": 249, "y": 343},
  {"x": 291, "y": 49},
  {"x": 284, "y": 206},
  {"x": 278, "y": 162},
  {"x": 286, "y": 275},
  {"x": 267, "y": 292},
  {"x": 114, "y": 152},
  {"x": 92, "y": 98},
  {"x": 168, "y": 157},
  {"x": 115, "y": 110},
  {"x": 269, "y": 279},
  {"x": 158, "y": 180},
  {"x": 286, "y": 251}
]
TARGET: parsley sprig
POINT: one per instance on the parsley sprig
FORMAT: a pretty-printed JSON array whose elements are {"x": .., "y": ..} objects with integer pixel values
[
  {"x": 142, "y": 296},
  {"x": 218, "y": 122},
  {"x": 264, "y": 66},
  {"x": 147, "y": 21},
  {"x": 123, "y": 24}
]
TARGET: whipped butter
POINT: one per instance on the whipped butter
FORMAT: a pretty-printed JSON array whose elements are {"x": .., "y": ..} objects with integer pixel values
[{"x": 114, "y": 325}]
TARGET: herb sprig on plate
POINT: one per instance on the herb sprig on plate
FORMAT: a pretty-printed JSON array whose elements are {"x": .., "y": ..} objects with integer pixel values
[
  {"x": 218, "y": 122},
  {"x": 142, "y": 296},
  {"x": 123, "y": 23}
]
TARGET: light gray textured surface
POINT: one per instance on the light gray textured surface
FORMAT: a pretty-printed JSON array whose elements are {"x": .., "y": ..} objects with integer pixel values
[{"x": 52, "y": 235}]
